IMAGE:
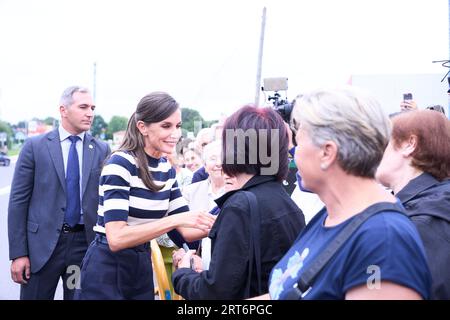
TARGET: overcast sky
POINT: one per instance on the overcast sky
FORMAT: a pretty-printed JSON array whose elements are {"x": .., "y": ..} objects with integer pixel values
[{"x": 204, "y": 53}]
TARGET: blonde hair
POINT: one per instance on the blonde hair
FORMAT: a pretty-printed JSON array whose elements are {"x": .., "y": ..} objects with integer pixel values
[{"x": 352, "y": 119}]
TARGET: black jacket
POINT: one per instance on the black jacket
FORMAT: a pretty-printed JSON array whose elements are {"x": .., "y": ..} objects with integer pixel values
[
  {"x": 281, "y": 222},
  {"x": 427, "y": 202}
]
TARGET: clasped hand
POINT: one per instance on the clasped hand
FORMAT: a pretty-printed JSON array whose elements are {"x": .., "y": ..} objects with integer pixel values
[{"x": 183, "y": 259}]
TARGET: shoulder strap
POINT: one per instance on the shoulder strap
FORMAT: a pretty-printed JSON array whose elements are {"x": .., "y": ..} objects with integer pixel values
[
  {"x": 308, "y": 276},
  {"x": 255, "y": 253}
]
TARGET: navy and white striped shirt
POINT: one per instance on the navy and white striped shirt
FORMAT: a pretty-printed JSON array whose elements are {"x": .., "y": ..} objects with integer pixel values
[{"x": 123, "y": 196}]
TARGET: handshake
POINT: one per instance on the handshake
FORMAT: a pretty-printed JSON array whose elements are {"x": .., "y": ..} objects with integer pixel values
[{"x": 186, "y": 258}]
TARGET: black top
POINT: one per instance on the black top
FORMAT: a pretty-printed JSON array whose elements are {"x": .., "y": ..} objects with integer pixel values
[
  {"x": 281, "y": 222},
  {"x": 427, "y": 202}
]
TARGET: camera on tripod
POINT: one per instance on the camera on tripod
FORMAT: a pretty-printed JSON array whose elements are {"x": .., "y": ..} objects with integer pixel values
[{"x": 282, "y": 106}]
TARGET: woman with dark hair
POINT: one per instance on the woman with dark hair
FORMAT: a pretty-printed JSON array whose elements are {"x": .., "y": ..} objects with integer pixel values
[
  {"x": 416, "y": 167},
  {"x": 255, "y": 162},
  {"x": 139, "y": 201}
]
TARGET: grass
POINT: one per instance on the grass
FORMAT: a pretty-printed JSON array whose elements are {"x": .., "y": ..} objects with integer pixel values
[{"x": 14, "y": 151}]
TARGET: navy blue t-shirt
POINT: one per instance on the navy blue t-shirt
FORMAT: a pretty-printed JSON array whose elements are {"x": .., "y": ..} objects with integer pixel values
[{"x": 386, "y": 247}]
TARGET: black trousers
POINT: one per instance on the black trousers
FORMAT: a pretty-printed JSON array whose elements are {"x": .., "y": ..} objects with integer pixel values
[
  {"x": 64, "y": 263},
  {"x": 123, "y": 275}
]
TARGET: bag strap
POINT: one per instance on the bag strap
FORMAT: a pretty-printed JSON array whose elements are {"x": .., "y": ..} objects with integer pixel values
[
  {"x": 307, "y": 277},
  {"x": 255, "y": 251}
]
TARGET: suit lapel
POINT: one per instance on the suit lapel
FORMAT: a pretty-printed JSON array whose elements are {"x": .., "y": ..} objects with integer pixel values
[
  {"x": 88, "y": 156},
  {"x": 54, "y": 148}
]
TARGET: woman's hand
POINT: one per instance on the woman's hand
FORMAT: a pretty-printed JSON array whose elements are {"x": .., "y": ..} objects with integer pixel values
[
  {"x": 177, "y": 255},
  {"x": 408, "y": 105},
  {"x": 190, "y": 260},
  {"x": 196, "y": 219}
]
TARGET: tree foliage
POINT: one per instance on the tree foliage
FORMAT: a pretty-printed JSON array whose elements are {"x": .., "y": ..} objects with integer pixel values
[
  {"x": 191, "y": 120},
  {"x": 117, "y": 123},
  {"x": 50, "y": 121},
  {"x": 6, "y": 127},
  {"x": 99, "y": 126}
]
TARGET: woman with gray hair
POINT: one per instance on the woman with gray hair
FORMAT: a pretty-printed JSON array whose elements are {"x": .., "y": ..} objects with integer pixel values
[
  {"x": 201, "y": 195},
  {"x": 341, "y": 136}
]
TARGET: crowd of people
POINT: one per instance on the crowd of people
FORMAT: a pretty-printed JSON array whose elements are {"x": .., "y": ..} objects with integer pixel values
[{"x": 368, "y": 218}]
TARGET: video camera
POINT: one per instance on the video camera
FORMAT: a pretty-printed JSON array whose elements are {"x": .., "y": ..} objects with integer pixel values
[{"x": 282, "y": 106}]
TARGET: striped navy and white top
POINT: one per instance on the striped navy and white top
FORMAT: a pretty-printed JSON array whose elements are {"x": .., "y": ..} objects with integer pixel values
[{"x": 123, "y": 196}]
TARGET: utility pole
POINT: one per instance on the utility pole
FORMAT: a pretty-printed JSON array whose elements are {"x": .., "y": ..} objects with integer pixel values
[
  {"x": 94, "y": 90},
  {"x": 1, "y": 104},
  {"x": 260, "y": 56}
]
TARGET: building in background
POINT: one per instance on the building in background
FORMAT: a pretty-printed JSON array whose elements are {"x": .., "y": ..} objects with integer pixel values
[
  {"x": 36, "y": 127},
  {"x": 118, "y": 138}
]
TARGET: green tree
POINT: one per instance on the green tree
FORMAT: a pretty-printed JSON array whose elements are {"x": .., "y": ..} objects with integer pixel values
[
  {"x": 51, "y": 121},
  {"x": 22, "y": 125},
  {"x": 191, "y": 120},
  {"x": 209, "y": 123},
  {"x": 6, "y": 127},
  {"x": 99, "y": 126},
  {"x": 117, "y": 123}
]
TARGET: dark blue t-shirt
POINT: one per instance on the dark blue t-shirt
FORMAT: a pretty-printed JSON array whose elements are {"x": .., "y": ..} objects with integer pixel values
[{"x": 386, "y": 247}]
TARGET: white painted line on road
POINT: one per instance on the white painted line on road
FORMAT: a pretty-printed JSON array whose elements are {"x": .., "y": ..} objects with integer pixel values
[{"x": 5, "y": 190}]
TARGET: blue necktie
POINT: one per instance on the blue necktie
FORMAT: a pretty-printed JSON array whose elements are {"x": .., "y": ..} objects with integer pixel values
[{"x": 73, "y": 206}]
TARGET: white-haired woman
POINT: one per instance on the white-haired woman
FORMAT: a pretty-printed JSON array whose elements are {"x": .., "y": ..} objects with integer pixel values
[
  {"x": 342, "y": 134},
  {"x": 201, "y": 195}
]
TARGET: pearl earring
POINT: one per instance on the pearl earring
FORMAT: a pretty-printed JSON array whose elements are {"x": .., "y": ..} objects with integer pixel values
[{"x": 323, "y": 166}]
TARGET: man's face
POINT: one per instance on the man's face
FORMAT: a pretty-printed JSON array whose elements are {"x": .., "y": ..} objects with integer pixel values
[{"x": 78, "y": 117}]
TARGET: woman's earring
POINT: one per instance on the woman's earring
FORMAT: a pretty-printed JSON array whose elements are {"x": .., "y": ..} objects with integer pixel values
[{"x": 323, "y": 166}]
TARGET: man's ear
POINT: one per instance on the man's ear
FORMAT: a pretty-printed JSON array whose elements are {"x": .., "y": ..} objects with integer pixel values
[
  {"x": 63, "y": 111},
  {"x": 328, "y": 154}
]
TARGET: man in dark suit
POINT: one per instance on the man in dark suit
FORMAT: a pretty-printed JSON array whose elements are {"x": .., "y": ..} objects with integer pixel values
[{"x": 54, "y": 199}]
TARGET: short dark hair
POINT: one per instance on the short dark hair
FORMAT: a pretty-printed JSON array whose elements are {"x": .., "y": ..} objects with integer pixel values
[{"x": 258, "y": 121}]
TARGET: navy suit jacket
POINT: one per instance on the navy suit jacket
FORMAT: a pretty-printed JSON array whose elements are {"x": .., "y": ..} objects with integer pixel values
[{"x": 38, "y": 198}]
